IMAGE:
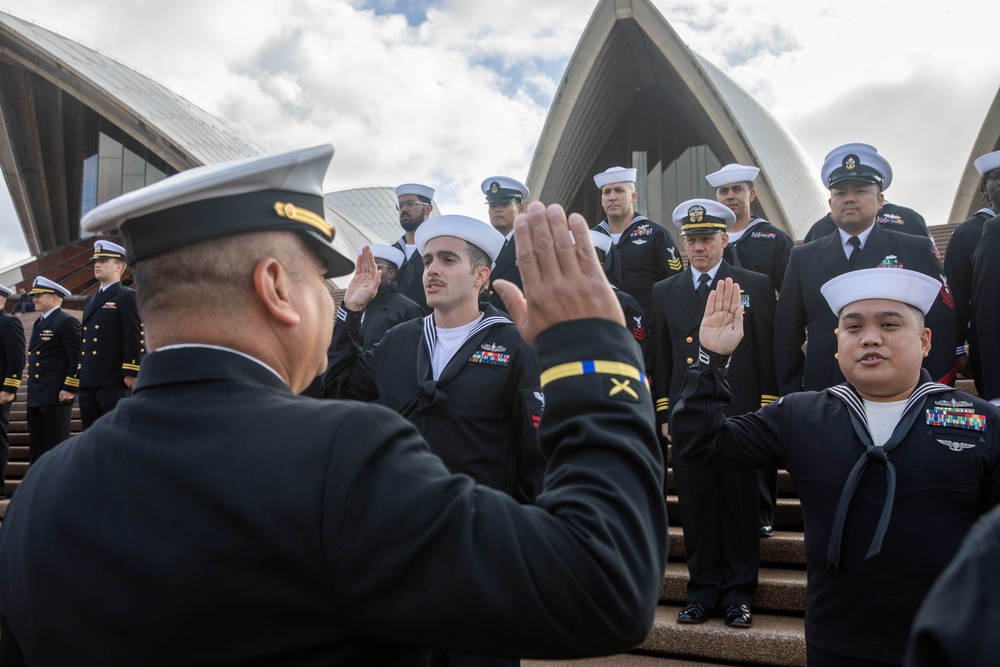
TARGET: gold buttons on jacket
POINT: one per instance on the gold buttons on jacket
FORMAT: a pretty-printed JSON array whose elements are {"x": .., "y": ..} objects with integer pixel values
[
  {"x": 836, "y": 355},
  {"x": 690, "y": 361},
  {"x": 836, "y": 331},
  {"x": 689, "y": 339}
]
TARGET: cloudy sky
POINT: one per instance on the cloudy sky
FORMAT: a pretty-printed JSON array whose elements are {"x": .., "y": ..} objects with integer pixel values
[{"x": 448, "y": 92}]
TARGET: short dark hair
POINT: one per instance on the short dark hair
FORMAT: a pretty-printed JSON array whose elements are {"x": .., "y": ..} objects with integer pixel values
[{"x": 477, "y": 257}]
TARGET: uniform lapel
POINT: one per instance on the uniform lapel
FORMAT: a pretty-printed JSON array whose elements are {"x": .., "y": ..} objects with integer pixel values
[
  {"x": 831, "y": 253},
  {"x": 98, "y": 299},
  {"x": 879, "y": 246}
]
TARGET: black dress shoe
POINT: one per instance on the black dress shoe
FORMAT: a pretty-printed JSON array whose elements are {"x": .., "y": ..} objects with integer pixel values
[
  {"x": 766, "y": 531},
  {"x": 694, "y": 612},
  {"x": 738, "y": 616}
]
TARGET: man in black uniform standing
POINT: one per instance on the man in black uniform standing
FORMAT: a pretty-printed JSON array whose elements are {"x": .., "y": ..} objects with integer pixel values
[
  {"x": 985, "y": 332},
  {"x": 635, "y": 319},
  {"x": 415, "y": 203},
  {"x": 718, "y": 510},
  {"x": 324, "y": 532},
  {"x": 112, "y": 335},
  {"x": 388, "y": 307},
  {"x": 53, "y": 359},
  {"x": 505, "y": 199},
  {"x": 891, "y": 468},
  {"x": 11, "y": 367},
  {"x": 958, "y": 261},
  {"x": 856, "y": 179},
  {"x": 642, "y": 252},
  {"x": 756, "y": 245}
]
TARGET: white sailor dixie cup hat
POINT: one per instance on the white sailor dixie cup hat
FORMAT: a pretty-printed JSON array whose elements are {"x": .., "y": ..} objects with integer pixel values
[
  {"x": 274, "y": 193},
  {"x": 104, "y": 249},
  {"x": 703, "y": 216},
  {"x": 388, "y": 253},
  {"x": 856, "y": 162},
  {"x": 601, "y": 241},
  {"x": 426, "y": 193},
  {"x": 504, "y": 189},
  {"x": 43, "y": 285},
  {"x": 987, "y": 163},
  {"x": 6, "y": 292},
  {"x": 732, "y": 173},
  {"x": 478, "y": 233},
  {"x": 903, "y": 285},
  {"x": 615, "y": 175}
]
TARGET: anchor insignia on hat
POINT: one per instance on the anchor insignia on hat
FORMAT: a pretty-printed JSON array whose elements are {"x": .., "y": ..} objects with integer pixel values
[
  {"x": 494, "y": 187},
  {"x": 851, "y": 162},
  {"x": 696, "y": 214}
]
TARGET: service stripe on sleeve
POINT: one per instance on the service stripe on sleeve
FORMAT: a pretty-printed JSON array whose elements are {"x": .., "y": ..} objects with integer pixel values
[{"x": 590, "y": 368}]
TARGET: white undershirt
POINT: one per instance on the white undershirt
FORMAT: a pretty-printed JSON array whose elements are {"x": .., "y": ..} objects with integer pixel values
[
  {"x": 736, "y": 236},
  {"x": 447, "y": 344},
  {"x": 882, "y": 419},
  {"x": 409, "y": 249}
]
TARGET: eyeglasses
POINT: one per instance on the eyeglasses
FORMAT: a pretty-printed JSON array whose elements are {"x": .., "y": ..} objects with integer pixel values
[
  {"x": 409, "y": 204},
  {"x": 384, "y": 267}
]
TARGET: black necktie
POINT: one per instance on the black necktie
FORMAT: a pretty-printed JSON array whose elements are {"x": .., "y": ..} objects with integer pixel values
[
  {"x": 856, "y": 244},
  {"x": 704, "y": 288}
]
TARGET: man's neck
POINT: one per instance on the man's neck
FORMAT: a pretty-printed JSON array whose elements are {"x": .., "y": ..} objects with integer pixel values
[
  {"x": 409, "y": 238},
  {"x": 453, "y": 318},
  {"x": 742, "y": 222},
  {"x": 618, "y": 224}
]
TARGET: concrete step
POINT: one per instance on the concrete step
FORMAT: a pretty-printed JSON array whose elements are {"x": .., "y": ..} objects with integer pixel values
[
  {"x": 786, "y": 548},
  {"x": 774, "y": 640},
  {"x": 777, "y": 589},
  {"x": 787, "y": 513},
  {"x": 10, "y": 486},
  {"x": 620, "y": 660}
]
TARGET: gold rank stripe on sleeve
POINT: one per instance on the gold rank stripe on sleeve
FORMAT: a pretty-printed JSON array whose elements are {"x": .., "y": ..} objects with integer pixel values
[
  {"x": 675, "y": 264},
  {"x": 12, "y": 381},
  {"x": 72, "y": 381},
  {"x": 662, "y": 404},
  {"x": 767, "y": 399},
  {"x": 131, "y": 367},
  {"x": 577, "y": 368}
]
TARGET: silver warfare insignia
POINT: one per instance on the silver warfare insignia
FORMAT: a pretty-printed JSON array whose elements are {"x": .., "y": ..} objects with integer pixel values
[
  {"x": 956, "y": 446},
  {"x": 493, "y": 347},
  {"x": 541, "y": 398},
  {"x": 953, "y": 404}
]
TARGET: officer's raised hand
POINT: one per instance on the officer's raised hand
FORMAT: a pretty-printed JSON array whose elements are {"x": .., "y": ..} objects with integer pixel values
[
  {"x": 562, "y": 279},
  {"x": 364, "y": 283},
  {"x": 722, "y": 325}
]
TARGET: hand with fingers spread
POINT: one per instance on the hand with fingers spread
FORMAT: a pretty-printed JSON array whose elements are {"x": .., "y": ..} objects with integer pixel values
[
  {"x": 364, "y": 284},
  {"x": 722, "y": 325},
  {"x": 562, "y": 279}
]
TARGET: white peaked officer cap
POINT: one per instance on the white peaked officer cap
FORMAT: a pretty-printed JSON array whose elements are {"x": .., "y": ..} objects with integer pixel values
[
  {"x": 504, "y": 189},
  {"x": 43, "y": 285},
  {"x": 387, "y": 253},
  {"x": 600, "y": 240},
  {"x": 615, "y": 175},
  {"x": 703, "y": 216},
  {"x": 104, "y": 249},
  {"x": 417, "y": 189},
  {"x": 478, "y": 233},
  {"x": 903, "y": 285},
  {"x": 274, "y": 193},
  {"x": 987, "y": 163},
  {"x": 6, "y": 292},
  {"x": 732, "y": 173},
  {"x": 856, "y": 162}
]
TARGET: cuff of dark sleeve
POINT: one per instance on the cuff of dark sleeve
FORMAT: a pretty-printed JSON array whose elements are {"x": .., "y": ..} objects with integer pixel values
[{"x": 717, "y": 364}]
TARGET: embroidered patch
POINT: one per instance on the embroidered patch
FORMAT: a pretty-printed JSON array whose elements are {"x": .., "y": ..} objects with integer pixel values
[
  {"x": 622, "y": 390},
  {"x": 744, "y": 299},
  {"x": 763, "y": 235},
  {"x": 956, "y": 418},
  {"x": 890, "y": 219},
  {"x": 536, "y": 420},
  {"x": 638, "y": 331},
  {"x": 890, "y": 262},
  {"x": 956, "y": 446},
  {"x": 490, "y": 358},
  {"x": 110, "y": 305}
]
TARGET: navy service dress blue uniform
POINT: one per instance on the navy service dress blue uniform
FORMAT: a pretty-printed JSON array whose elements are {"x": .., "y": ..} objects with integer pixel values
[
  {"x": 352, "y": 547},
  {"x": 111, "y": 348},
  {"x": 53, "y": 358},
  {"x": 410, "y": 276},
  {"x": 985, "y": 333},
  {"x": 12, "y": 357},
  {"x": 719, "y": 511},
  {"x": 389, "y": 307},
  {"x": 500, "y": 190},
  {"x": 763, "y": 248},
  {"x": 635, "y": 318},
  {"x": 803, "y": 313}
]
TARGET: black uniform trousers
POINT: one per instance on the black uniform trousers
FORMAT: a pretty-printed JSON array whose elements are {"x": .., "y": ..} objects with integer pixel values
[
  {"x": 719, "y": 510},
  {"x": 48, "y": 426},
  {"x": 4, "y": 443},
  {"x": 984, "y": 337},
  {"x": 98, "y": 401}
]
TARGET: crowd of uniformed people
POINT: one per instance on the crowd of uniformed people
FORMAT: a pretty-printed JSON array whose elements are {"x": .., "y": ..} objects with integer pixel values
[{"x": 501, "y": 495}]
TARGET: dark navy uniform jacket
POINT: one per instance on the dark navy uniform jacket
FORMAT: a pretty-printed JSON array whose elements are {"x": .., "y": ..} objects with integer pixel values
[
  {"x": 217, "y": 519},
  {"x": 644, "y": 255},
  {"x": 480, "y": 416},
  {"x": 12, "y": 354},
  {"x": 985, "y": 335},
  {"x": 635, "y": 321},
  {"x": 505, "y": 268},
  {"x": 385, "y": 311},
  {"x": 410, "y": 276},
  {"x": 945, "y": 460},
  {"x": 53, "y": 358},
  {"x": 112, "y": 335},
  {"x": 763, "y": 248},
  {"x": 801, "y": 306}
]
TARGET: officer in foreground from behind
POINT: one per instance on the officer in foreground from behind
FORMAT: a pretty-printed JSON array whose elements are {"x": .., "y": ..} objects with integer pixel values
[
  {"x": 221, "y": 519},
  {"x": 891, "y": 468}
]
